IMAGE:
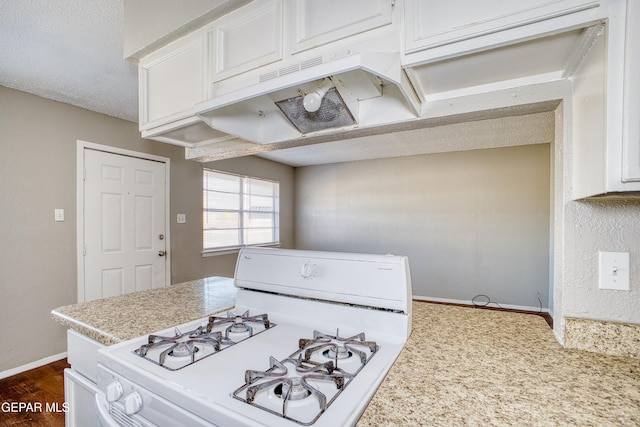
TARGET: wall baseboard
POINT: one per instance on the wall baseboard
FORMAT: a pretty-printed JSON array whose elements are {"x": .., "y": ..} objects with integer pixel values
[
  {"x": 32, "y": 365},
  {"x": 481, "y": 304}
]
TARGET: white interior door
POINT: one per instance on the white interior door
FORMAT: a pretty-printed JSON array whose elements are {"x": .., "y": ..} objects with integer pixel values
[{"x": 124, "y": 224}]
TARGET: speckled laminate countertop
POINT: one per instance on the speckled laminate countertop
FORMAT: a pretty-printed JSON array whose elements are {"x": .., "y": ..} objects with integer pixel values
[
  {"x": 466, "y": 366},
  {"x": 461, "y": 366},
  {"x": 114, "y": 319}
]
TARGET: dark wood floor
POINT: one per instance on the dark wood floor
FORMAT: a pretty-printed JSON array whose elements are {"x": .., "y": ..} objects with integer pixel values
[{"x": 41, "y": 389}]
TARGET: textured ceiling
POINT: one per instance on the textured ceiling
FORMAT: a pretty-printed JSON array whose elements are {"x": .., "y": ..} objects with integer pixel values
[{"x": 69, "y": 51}]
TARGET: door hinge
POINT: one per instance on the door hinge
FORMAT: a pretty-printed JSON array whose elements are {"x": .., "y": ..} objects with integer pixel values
[
  {"x": 84, "y": 249},
  {"x": 84, "y": 174}
]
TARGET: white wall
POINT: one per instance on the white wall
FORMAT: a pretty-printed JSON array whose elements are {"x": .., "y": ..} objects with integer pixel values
[
  {"x": 601, "y": 225},
  {"x": 471, "y": 222},
  {"x": 582, "y": 228}
]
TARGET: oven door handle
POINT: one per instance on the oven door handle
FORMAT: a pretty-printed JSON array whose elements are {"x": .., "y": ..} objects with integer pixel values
[{"x": 104, "y": 417}]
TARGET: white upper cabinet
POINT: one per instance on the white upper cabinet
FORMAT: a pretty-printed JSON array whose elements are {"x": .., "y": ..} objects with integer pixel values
[
  {"x": 606, "y": 108},
  {"x": 245, "y": 39},
  {"x": 432, "y": 23},
  {"x": 314, "y": 23},
  {"x": 444, "y": 57},
  {"x": 171, "y": 81},
  {"x": 631, "y": 124}
]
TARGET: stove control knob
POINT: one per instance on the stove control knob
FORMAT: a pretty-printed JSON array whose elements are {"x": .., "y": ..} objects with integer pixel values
[
  {"x": 132, "y": 403},
  {"x": 114, "y": 391},
  {"x": 307, "y": 270}
]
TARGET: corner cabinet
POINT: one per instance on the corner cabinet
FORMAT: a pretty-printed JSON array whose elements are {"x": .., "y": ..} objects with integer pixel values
[
  {"x": 171, "y": 81},
  {"x": 606, "y": 108},
  {"x": 631, "y": 117}
]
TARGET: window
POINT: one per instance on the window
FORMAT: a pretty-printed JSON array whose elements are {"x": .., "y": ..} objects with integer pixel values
[{"x": 239, "y": 211}]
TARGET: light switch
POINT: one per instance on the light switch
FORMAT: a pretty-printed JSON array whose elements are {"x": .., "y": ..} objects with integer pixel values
[
  {"x": 182, "y": 218},
  {"x": 58, "y": 214},
  {"x": 613, "y": 270}
]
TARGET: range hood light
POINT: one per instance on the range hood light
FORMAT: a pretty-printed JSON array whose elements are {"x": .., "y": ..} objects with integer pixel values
[{"x": 312, "y": 101}]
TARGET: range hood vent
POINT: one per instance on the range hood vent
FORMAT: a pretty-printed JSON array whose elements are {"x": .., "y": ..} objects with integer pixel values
[
  {"x": 291, "y": 69},
  {"x": 332, "y": 114},
  {"x": 367, "y": 89}
]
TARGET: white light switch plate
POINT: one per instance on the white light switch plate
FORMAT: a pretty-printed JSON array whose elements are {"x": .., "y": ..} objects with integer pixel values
[
  {"x": 58, "y": 214},
  {"x": 613, "y": 270},
  {"x": 181, "y": 219}
]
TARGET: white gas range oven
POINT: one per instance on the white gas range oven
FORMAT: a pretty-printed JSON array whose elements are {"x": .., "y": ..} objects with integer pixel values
[{"x": 311, "y": 338}]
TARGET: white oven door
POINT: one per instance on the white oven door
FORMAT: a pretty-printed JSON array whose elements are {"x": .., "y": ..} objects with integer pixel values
[{"x": 78, "y": 395}]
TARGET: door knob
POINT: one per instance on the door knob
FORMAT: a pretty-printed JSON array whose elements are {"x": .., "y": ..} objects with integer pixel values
[{"x": 162, "y": 253}]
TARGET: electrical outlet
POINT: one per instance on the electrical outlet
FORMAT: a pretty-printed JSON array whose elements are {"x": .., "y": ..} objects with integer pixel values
[
  {"x": 613, "y": 270},
  {"x": 58, "y": 214},
  {"x": 181, "y": 218}
]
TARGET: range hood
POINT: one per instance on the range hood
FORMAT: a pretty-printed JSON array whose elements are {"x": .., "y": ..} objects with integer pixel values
[{"x": 358, "y": 90}]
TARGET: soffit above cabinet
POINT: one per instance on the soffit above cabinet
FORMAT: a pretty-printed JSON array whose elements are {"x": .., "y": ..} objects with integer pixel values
[
  {"x": 143, "y": 34},
  {"x": 533, "y": 124}
]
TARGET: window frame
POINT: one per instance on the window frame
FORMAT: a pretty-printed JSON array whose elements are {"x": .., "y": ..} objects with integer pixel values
[{"x": 241, "y": 211}]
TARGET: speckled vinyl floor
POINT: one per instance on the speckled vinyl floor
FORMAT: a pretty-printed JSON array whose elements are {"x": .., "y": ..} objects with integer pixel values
[{"x": 469, "y": 366}]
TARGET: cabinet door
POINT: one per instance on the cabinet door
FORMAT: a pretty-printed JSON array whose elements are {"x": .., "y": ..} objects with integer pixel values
[
  {"x": 172, "y": 81},
  {"x": 245, "y": 39},
  {"x": 319, "y": 22},
  {"x": 631, "y": 135},
  {"x": 430, "y": 23}
]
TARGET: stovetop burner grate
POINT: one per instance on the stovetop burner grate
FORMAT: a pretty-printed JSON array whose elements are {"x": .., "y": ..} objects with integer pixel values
[
  {"x": 238, "y": 324},
  {"x": 301, "y": 387},
  {"x": 183, "y": 349}
]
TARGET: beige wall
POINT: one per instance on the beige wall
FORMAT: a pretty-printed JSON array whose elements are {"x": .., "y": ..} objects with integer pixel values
[
  {"x": 249, "y": 166},
  {"x": 471, "y": 222},
  {"x": 38, "y": 256}
]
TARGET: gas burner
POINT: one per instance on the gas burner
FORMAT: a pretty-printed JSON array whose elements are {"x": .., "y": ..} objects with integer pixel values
[
  {"x": 293, "y": 390},
  {"x": 309, "y": 384},
  {"x": 337, "y": 348},
  {"x": 182, "y": 349},
  {"x": 301, "y": 387},
  {"x": 240, "y": 326},
  {"x": 337, "y": 352}
]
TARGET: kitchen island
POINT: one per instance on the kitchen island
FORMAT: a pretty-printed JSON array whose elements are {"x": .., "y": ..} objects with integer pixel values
[
  {"x": 119, "y": 318},
  {"x": 99, "y": 323}
]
